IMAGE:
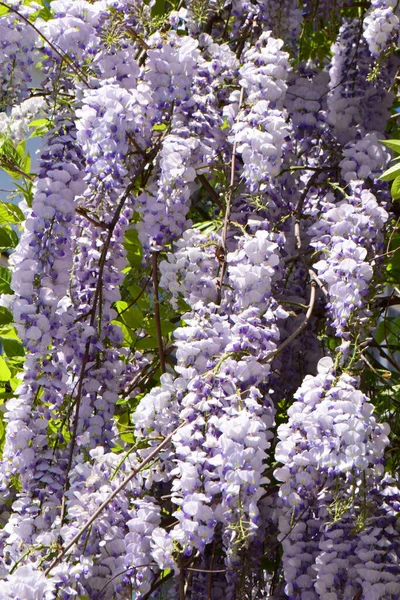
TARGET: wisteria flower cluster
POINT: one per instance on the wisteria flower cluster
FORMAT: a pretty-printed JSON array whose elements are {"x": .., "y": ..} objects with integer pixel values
[{"x": 191, "y": 293}]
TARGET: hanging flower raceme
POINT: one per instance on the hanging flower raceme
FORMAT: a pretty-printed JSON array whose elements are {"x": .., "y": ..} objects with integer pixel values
[
  {"x": 305, "y": 100},
  {"x": 74, "y": 31},
  {"x": 172, "y": 67},
  {"x": 261, "y": 128},
  {"x": 157, "y": 120},
  {"x": 186, "y": 88},
  {"x": 18, "y": 47},
  {"x": 104, "y": 561},
  {"x": 381, "y": 26},
  {"x": 332, "y": 451},
  {"x": 355, "y": 102},
  {"x": 16, "y": 125},
  {"x": 222, "y": 354},
  {"x": 40, "y": 281},
  {"x": 348, "y": 233},
  {"x": 364, "y": 158}
]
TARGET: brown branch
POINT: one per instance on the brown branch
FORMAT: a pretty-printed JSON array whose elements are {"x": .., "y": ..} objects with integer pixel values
[
  {"x": 8, "y": 165},
  {"x": 385, "y": 355},
  {"x": 302, "y": 326},
  {"x": 80, "y": 210},
  {"x": 210, "y": 572},
  {"x": 158, "y": 584},
  {"x": 153, "y": 454},
  {"x": 206, "y": 570},
  {"x": 157, "y": 316},
  {"x": 181, "y": 585},
  {"x": 209, "y": 189},
  {"x": 314, "y": 277}
]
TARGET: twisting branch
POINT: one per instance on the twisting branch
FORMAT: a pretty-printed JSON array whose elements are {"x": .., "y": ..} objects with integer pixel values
[
  {"x": 157, "y": 316},
  {"x": 153, "y": 454},
  {"x": 302, "y": 326},
  {"x": 314, "y": 277}
]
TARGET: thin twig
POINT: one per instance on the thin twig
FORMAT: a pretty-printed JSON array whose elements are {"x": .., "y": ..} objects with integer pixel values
[
  {"x": 8, "y": 165},
  {"x": 157, "y": 316},
  {"x": 111, "y": 497},
  {"x": 210, "y": 572},
  {"x": 385, "y": 355},
  {"x": 314, "y": 277},
  {"x": 206, "y": 570},
  {"x": 133, "y": 302},
  {"x": 181, "y": 585},
  {"x": 83, "y": 213},
  {"x": 376, "y": 373},
  {"x": 209, "y": 189},
  {"x": 158, "y": 584},
  {"x": 302, "y": 326}
]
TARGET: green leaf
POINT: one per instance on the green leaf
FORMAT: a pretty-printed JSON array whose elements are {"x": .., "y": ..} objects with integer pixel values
[
  {"x": 392, "y": 144},
  {"x": 38, "y": 122},
  {"x": 26, "y": 191},
  {"x": 5, "y": 372},
  {"x": 128, "y": 339},
  {"x": 6, "y": 316},
  {"x": 40, "y": 127},
  {"x": 225, "y": 124},
  {"x": 132, "y": 317},
  {"x": 12, "y": 347},
  {"x": 5, "y": 280},
  {"x": 380, "y": 332},
  {"x": 10, "y": 213},
  {"x": 158, "y": 9},
  {"x": 44, "y": 13},
  {"x": 133, "y": 248},
  {"x": 391, "y": 173},
  {"x": 136, "y": 292},
  {"x": 150, "y": 327},
  {"x": 395, "y": 190},
  {"x": 3, "y": 10},
  {"x": 146, "y": 343},
  {"x": 8, "y": 238}
]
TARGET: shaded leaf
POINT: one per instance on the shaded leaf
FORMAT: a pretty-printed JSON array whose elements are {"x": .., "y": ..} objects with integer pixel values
[
  {"x": 8, "y": 238},
  {"x": 6, "y": 316},
  {"x": 391, "y": 173},
  {"x": 5, "y": 280},
  {"x": 395, "y": 190},
  {"x": 12, "y": 347}
]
